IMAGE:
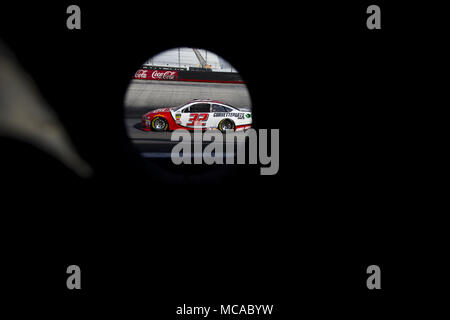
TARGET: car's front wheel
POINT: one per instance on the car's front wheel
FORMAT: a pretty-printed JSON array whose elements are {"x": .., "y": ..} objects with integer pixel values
[
  {"x": 160, "y": 124},
  {"x": 226, "y": 124}
]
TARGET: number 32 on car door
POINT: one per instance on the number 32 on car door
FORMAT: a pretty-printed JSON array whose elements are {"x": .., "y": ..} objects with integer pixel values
[{"x": 198, "y": 119}]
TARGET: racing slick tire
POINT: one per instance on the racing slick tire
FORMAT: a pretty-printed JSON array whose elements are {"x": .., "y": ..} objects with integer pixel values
[
  {"x": 226, "y": 124},
  {"x": 159, "y": 124}
]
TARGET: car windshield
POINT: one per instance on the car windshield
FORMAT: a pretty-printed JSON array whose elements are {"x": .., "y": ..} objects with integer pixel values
[{"x": 179, "y": 107}]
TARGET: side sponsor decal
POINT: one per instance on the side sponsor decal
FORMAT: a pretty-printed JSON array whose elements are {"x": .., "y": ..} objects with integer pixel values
[
  {"x": 177, "y": 118},
  {"x": 229, "y": 114}
]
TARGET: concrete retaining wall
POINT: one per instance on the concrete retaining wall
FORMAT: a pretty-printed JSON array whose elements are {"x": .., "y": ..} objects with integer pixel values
[{"x": 145, "y": 95}]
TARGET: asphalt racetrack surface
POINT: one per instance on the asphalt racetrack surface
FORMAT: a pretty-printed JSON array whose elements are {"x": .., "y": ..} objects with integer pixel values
[
  {"x": 158, "y": 145},
  {"x": 145, "y": 95}
]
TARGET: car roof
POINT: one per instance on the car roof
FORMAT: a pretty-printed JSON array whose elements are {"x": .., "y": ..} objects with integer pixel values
[{"x": 206, "y": 100}]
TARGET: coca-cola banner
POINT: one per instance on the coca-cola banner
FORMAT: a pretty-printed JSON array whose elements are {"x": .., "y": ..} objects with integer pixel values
[{"x": 146, "y": 74}]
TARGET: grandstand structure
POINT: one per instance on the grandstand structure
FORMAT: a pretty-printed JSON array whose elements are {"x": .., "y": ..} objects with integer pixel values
[{"x": 189, "y": 59}]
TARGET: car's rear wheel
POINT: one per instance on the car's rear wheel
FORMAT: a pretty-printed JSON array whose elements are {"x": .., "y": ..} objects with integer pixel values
[
  {"x": 226, "y": 124},
  {"x": 160, "y": 124}
]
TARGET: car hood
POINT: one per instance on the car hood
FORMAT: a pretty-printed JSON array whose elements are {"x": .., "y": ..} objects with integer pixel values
[{"x": 157, "y": 111}]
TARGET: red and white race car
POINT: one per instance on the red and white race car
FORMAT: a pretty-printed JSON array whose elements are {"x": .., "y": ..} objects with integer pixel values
[{"x": 198, "y": 114}]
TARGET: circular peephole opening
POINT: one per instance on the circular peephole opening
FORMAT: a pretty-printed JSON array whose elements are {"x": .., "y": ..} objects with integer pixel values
[{"x": 190, "y": 89}]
